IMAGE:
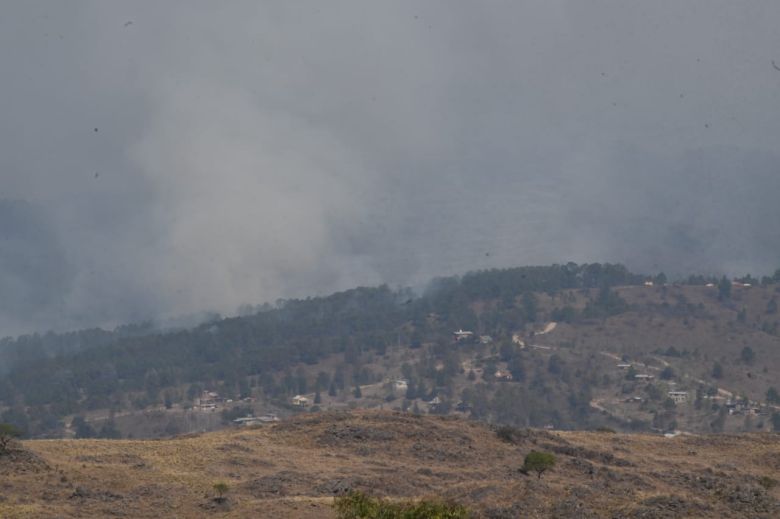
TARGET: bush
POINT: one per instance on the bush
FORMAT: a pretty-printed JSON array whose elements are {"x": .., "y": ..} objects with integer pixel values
[
  {"x": 506, "y": 433},
  {"x": 7, "y": 433},
  {"x": 358, "y": 505},
  {"x": 221, "y": 489},
  {"x": 538, "y": 462}
]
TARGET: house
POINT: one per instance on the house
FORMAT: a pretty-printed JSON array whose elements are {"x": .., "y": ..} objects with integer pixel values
[
  {"x": 516, "y": 339},
  {"x": 710, "y": 285},
  {"x": 679, "y": 397},
  {"x": 435, "y": 401},
  {"x": 463, "y": 407},
  {"x": 643, "y": 376},
  {"x": 648, "y": 283},
  {"x": 462, "y": 335},
  {"x": 501, "y": 374},
  {"x": 624, "y": 366},
  {"x": 400, "y": 384},
  {"x": 300, "y": 401},
  {"x": 485, "y": 339},
  {"x": 208, "y": 400},
  {"x": 250, "y": 420}
]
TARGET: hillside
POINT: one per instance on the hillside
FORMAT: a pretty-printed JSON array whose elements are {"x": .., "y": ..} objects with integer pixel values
[
  {"x": 295, "y": 467},
  {"x": 565, "y": 346}
]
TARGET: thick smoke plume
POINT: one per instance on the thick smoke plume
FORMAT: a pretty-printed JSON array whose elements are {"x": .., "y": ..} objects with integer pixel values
[{"x": 161, "y": 159}]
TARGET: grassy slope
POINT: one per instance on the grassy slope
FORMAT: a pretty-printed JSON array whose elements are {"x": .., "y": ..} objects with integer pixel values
[{"x": 292, "y": 469}]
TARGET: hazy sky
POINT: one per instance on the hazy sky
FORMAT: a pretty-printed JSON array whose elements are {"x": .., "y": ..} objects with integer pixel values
[{"x": 163, "y": 158}]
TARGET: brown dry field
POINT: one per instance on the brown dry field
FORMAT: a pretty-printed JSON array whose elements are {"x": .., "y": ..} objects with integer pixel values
[{"x": 293, "y": 469}]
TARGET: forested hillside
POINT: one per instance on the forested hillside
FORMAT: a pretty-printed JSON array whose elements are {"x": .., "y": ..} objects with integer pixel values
[{"x": 330, "y": 346}]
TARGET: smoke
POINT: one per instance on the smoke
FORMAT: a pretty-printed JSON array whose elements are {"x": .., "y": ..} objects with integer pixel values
[{"x": 166, "y": 159}]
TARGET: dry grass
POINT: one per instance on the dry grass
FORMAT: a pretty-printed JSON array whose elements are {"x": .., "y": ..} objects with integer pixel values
[{"x": 293, "y": 469}]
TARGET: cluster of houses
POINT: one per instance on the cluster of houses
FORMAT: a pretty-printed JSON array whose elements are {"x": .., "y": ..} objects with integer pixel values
[
  {"x": 468, "y": 336},
  {"x": 679, "y": 397},
  {"x": 210, "y": 400},
  {"x": 742, "y": 407}
]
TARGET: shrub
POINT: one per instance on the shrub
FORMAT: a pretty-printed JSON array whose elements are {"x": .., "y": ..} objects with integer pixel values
[
  {"x": 7, "y": 433},
  {"x": 220, "y": 488},
  {"x": 767, "y": 482},
  {"x": 538, "y": 462},
  {"x": 358, "y": 505},
  {"x": 506, "y": 433}
]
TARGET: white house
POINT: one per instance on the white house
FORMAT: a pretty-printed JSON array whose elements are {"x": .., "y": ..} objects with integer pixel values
[
  {"x": 300, "y": 401},
  {"x": 462, "y": 335},
  {"x": 255, "y": 420},
  {"x": 679, "y": 397},
  {"x": 400, "y": 384},
  {"x": 501, "y": 374}
]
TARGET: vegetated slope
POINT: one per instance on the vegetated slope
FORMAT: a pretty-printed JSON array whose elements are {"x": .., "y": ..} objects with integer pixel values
[
  {"x": 719, "y": 344},
  {"x": 294, "y": 468}
]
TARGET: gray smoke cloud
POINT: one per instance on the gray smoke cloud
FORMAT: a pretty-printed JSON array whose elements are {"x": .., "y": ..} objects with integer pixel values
[{"x": 164, "y": 158}]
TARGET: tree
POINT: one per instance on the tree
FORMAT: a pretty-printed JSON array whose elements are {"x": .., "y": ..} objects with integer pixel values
[
  {"x": 776, "y": 422},
  {"x": 747, "y": 355},
  {"x": 772, "y": 396},
  {"x": 771, "y": 306},
  {"x": 667, "y": 373},
  {"x": 538, "y": 462},
  {"x": 82, "y": 428},
  {"x": 724, "y": 289},
  {"x": 358, "y": 393},
  {"x": 332, "y": 389},
  {"x": 7, "y": 433},
  {"x": 220, "y": 488},
  {"x": 717, "y": 370},
  {"x": 411, "y": 390},
  {"x": 317, "y": 397}
]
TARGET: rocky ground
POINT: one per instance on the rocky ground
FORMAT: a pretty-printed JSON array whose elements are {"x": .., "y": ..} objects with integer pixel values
[{"x": 296, "y": 467}]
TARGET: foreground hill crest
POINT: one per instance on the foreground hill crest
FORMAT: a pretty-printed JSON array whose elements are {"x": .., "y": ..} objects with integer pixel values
[{"x": 296, "y": 467}]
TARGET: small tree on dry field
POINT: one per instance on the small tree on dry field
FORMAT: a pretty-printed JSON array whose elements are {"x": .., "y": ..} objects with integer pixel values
[{"x": 539, "y": 462}]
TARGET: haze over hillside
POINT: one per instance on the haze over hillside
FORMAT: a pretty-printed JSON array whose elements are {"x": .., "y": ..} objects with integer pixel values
[
  {"x": 163, "y": 159},
  {"x": 563, "y": 346}
]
